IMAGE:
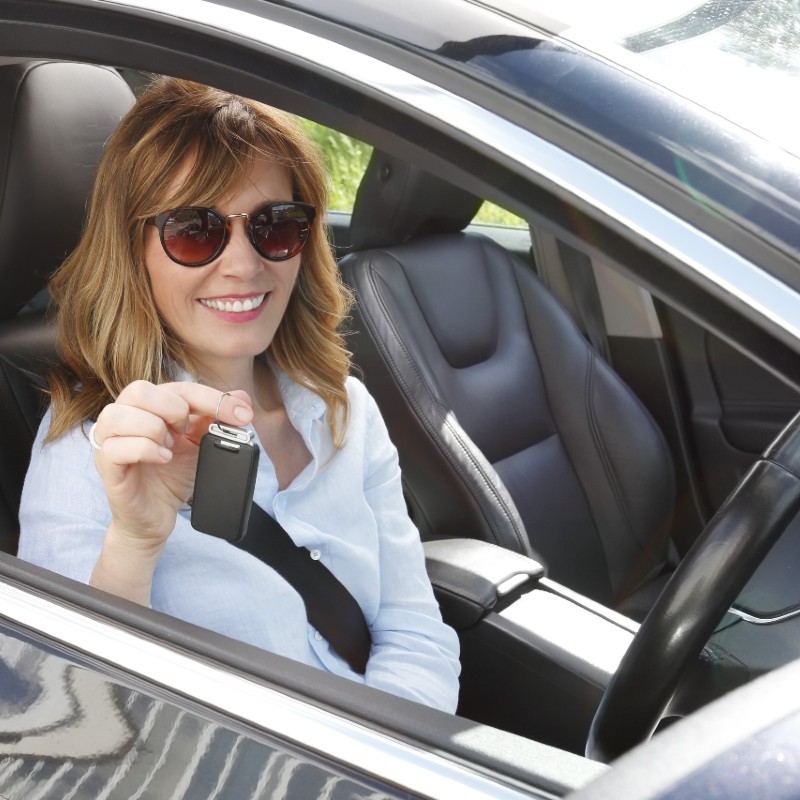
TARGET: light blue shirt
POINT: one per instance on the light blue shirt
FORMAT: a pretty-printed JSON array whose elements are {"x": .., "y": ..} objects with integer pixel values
[{"x": 347, "y": 503}]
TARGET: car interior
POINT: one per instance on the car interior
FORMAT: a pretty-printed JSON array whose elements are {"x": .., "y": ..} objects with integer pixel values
[
  {"x": 518, "y": 431},
  {"x": 58, "y": 118},
  {"x": 544, "y": 490}
]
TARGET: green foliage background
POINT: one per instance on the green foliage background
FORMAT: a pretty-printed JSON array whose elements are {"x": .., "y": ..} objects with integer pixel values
[{"x": 347, "y": 159}]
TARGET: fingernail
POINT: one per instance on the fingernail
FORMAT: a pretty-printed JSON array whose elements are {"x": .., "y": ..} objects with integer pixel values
[
  {"x": 242, "y": 414},
  {"x": 164, "y": 453}
]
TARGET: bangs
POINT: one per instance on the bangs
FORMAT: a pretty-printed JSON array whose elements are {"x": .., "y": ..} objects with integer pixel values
[
  {"x": 219, "y": 153},
  {"x": 192, "y": 145},
  {"x": 205, "y": 175}
]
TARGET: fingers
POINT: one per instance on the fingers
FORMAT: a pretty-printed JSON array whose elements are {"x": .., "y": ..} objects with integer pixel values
[
  {"x": 150, "y": 413},
  {"x": 119, "y": 422},
  {"x": 232, "y": 408},
  {"x": 122, "y": 451}
]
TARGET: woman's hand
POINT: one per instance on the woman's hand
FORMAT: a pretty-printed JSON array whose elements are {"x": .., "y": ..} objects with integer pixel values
[{"x": 149, "y": 441}]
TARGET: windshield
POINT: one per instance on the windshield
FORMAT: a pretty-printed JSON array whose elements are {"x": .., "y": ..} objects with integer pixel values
[{"x": 738, "y": 58}]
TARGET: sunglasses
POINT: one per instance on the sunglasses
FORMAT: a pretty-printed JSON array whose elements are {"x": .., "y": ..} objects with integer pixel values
[{"x": 193, "y": 236}]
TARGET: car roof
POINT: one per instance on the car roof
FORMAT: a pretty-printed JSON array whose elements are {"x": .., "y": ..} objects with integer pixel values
[{"x": 661, "y": 103}]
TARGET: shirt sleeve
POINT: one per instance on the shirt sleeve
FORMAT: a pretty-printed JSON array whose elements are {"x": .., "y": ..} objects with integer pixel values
[
  {"x": 63, "y": 510},
  {"x": 414, "y": 654}
]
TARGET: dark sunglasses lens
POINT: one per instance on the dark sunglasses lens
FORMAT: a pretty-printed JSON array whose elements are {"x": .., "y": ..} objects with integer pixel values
[
  {"x": 280, "y": 231},
  {"x": 193, "y": 236}
]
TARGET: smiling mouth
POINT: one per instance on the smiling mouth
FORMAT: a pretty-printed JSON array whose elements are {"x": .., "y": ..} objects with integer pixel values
[{"x": 235, "y": 306}]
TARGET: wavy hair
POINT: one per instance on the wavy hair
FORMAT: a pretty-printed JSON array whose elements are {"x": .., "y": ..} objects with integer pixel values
[{"x": 109, "y": 331}]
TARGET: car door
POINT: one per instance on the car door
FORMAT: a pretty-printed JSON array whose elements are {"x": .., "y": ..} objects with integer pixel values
[
  {"x": 101, "y": 698},
  {"x": 71, "y": 729}
]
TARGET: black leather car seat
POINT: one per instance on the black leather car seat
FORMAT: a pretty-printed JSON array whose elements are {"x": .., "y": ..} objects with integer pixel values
[
  {"x": 55, "y": 118},
  {"x": 510, "y": 427}
]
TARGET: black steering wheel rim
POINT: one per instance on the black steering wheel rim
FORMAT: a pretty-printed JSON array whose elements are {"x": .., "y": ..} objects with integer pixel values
[{"x": 702, "y": 589}]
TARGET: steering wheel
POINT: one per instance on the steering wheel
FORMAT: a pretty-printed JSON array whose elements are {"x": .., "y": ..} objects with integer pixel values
[{"x": 698, "y": 594}]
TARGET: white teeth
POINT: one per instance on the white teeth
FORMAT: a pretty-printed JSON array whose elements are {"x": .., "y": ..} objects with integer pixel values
[{"x": 235, "y": 306}]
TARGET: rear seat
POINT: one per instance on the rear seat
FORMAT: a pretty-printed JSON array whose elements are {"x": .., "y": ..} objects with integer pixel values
[{"x": 56, "y": 118}]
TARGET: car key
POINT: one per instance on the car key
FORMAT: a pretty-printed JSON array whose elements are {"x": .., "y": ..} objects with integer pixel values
[{"x": 224, "y": 482}]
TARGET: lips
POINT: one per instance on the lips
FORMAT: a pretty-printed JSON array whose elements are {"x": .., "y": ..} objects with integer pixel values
[{"x": 237, "y": 305}]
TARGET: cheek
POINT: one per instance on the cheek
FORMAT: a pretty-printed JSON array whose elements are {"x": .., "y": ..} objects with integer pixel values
[
  {"x": 166, "y": 281},
  {"x": 153, "y": 260},
  {"x": 291, "y": 274}
]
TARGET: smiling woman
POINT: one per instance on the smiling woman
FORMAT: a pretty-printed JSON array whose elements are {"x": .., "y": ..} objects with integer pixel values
[
  {"x": 196, "y": 303},
  {"x": 223, "y": 304}
]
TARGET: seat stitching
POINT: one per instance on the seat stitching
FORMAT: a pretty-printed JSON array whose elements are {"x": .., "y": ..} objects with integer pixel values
[
  {"x": 602, "y": 450},
  {"x": 530, "y": 314},
  {"x": 432, "y": 431},
  {"x": 373, "y": 278}
]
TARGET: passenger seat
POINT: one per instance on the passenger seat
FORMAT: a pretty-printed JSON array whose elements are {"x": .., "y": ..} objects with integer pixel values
[{"x": 510, "y": 427}]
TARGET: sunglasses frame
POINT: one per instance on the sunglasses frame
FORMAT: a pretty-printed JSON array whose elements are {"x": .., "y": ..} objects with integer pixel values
[{"x": 160, "y": 221}]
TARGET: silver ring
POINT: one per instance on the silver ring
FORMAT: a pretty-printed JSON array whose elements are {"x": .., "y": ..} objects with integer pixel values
[
  {"x": 219, "y": 403},
  {"x": 92, "y": 440}
]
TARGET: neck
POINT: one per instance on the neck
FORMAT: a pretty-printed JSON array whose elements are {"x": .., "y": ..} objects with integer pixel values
[{"x": 254, "y": 376}]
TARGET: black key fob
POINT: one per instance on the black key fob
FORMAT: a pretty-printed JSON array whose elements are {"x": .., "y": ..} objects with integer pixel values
[{"x": 224, "y": 483}]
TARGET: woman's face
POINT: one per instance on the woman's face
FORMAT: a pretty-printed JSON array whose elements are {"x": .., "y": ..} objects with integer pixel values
[{"x": 192, "y": 300}]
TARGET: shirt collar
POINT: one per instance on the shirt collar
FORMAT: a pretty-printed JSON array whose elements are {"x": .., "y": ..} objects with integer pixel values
[{"x": 302, "y": 405}]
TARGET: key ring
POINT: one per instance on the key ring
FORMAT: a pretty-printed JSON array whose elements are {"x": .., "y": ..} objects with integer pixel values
[
  {"x": 219, "y": 404},
  {"x": 229, "y": 432}
]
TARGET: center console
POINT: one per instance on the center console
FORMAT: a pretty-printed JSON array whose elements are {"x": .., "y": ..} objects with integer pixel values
[{"x": 536, "y": 657}]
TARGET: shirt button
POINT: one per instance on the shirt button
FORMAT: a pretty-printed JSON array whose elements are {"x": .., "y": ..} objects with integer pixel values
[
  {"x": 318, "y": 636},
  {"x": 315, "y": 555}
]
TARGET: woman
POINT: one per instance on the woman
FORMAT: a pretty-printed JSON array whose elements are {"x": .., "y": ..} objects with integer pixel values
[{"x": 204, "y": 287}]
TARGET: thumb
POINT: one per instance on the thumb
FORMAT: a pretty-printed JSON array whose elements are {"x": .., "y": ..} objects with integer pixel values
[{"x": 228, "y": 413}]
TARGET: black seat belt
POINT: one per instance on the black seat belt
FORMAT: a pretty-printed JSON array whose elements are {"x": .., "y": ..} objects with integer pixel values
[
  {"x": 568, "y": 274},
  {"x": 578, "y": 269},
  {"x": 330, "y": 607}
]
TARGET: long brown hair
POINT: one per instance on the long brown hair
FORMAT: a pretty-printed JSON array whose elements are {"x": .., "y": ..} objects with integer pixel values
[{"x": 109, "y": 330}]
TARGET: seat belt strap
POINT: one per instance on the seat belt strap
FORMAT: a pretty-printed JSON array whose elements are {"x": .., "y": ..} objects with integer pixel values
[
  {"x": 330, "y": 607},
  {"x": 568, "y": 273},
  {"x": 580, "y": 276}
]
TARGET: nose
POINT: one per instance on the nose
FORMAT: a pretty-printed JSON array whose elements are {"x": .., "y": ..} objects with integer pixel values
[{"x": 239, "y": 258}]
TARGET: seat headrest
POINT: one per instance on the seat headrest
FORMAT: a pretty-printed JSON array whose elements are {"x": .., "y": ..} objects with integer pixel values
[
  {"x": 397, "y": 201},
  {"x": 55, "y": 118}
]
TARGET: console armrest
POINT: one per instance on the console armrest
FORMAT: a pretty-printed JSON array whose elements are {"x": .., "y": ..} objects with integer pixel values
[{"x": 471, "y": 577}]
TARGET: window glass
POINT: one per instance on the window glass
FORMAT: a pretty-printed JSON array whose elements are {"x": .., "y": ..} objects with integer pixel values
[
  {"x": 346, "y": 159},
  {"x": 490, "y": 214},
  {"x": 742, "y": 62}
]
